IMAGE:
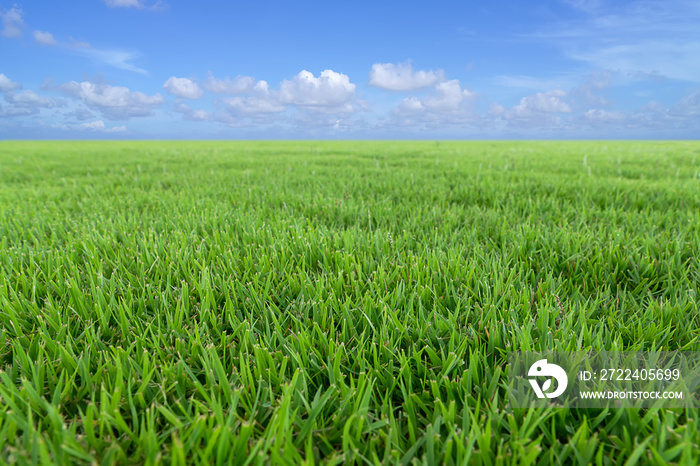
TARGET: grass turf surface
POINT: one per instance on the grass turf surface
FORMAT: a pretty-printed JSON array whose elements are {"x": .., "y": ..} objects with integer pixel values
[{"x": 355, "y": 302}]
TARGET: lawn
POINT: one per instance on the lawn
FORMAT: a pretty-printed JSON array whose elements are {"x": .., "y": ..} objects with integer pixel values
[{"x": 336, "y": 302}]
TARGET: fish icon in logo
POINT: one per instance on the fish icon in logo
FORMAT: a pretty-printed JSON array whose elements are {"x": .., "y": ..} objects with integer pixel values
[{"x": 543, "y": 369}]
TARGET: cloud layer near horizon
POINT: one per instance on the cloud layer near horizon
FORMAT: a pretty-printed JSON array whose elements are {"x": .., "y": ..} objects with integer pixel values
[{"x": 330, "y": 99}]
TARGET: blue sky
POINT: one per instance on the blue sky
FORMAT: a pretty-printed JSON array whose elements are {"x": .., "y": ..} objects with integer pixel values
[{"x": 342, "y": 70}]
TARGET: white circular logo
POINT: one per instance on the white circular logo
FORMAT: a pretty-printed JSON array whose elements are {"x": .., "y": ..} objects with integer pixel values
[{"x": 542, "y": 369}]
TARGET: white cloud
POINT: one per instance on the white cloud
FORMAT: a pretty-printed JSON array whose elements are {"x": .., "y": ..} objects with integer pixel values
[
  {"x": 447, "y": 104},
  {"x": 540, "y": 109},
  {"x": 411, "y": 104},
  {"x": 114, "y": 102},
  {"x": 650, "y": 120},
  {"x": 183, "y": 88},
  {"x": 542, "y": 102},
  {"x": 238, "y": 85},
  {"x": 401, "y": 77},
  {"x": 189, "y": 113},
  {"x": 28, "y": 99},
  {"x": 6, "y": 84},
  {"x": 253, "y": 106},
  {"x": 410, "y": 112},
  {"x": 25, "y": 102},
  {"x": 447, "y": 97},
  {"x": 124, "y": 3},
  {"x": 231, "y": 117},
  {"x": 330, "y": 89},
  {"x": 328, "y": 97},
  {"x": 99, "y": 125},
  {"x": 45, "y": 38},
  {"x": 263, "y": 104},
  {"x": 200, "y": 115},
  {"x": 260, "y": 103},
  {"x": 12, "y": 22}
]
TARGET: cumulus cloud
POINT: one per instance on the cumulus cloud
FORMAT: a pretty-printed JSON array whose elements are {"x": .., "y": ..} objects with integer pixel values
[
  {"x": 44, "y": 37},
  {"x": 542, "y": 102},
  {"x": 255, "y": 102},
  {"x": 261, "y": 104},
  {"x": 410, "y": 112},
  {"x": 326, "y": 99},
  {"x": 29, "y": 99},
  {"x": 238, "y": 85},
  {"x": 24, "y": 103},
  {"x": 253, "y": 106},
  {"x": 401, "y": 77},
  {"x": 114, "y": 102},
  {"x": 124, "y": 3},
  {"x": 652, "y": 119},
  {"x": 411, "y": 104},
  {"x": 447, "y": 97},
  {"x": 6, "y": 84},
  {"x": 183, "y": 88},
  {"x": 540, "y": 109},
  {"x": 448, "y": 103},
  {"x": 99, "y": 125},
  {"x": 330, "y": 89},
  {"x": 189, "y": 113},
  {"x": 12, "y": 22}
]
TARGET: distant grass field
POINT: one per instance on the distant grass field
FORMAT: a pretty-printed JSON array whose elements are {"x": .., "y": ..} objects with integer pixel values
[{"x": 336, "y": 302}]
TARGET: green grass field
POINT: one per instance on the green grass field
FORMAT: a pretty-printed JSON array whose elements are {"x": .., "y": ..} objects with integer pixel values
[{"x": 336, "y": 302}]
